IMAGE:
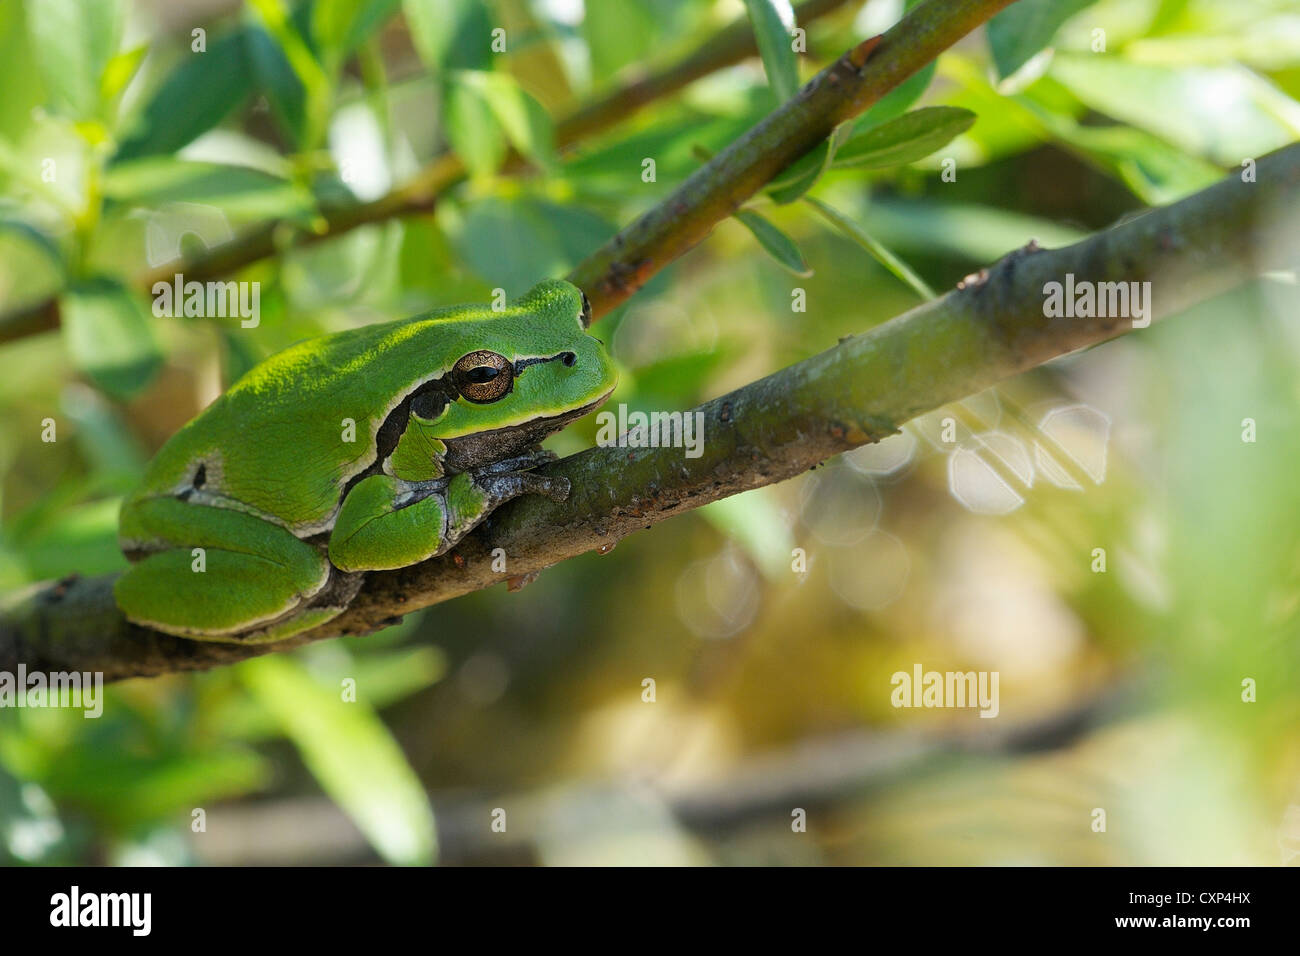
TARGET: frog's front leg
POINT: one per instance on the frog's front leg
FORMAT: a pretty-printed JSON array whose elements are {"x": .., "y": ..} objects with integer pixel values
[{"x": 388, "y": 523}]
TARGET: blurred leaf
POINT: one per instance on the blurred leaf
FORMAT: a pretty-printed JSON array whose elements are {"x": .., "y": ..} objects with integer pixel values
[
  {"x": 1156, "y": 172},
  {"x": 1222, "y": 113},
  {"x": 455, "y": 34},
  {"x": 18, "y": 54},
  {"x": 124, "y": 789},
  {"x": 276, "y": 80},
  {"x": 676, "y": 379},
  {"x": 881, "y": 254},
  {"x": 198, "y": 94},
  {"x": 288, "y": 33},
  {"x": 978, "y": 234},
  {"x": 120, "y": 71},
  {"x": 514, "y": 243},
  {"x": 238, "y": 191},
  {"x": 776, "y": 243},
  {"x": 1264, "y": 42},
  {"x": 340, "y": 26},
  {"x": 80, "y": 539},
  {"x": 30, "y": 829},
  {"x": 906, "y": 139},
  {"x": 109, "y": 334},
  {"x": 74, "y": 41},
  {"x": 802, "y": 174},
  {"x": 773, "y": 23},
  {"x": 385, "y": 677},
  {"x": 755, "y": 521},
  {"x": 619, "y": 32},
  {"x": 15, "y": 233},
  {"x": 101, "y": 433},
  {"x": 523, "y": 120},
  {"x": 472, "y": 129},
  {"x": 898, "y": 100},
  {"x": 673, "y": 143},
  {"x": 352, "y": 755},
  {"x": 1027, "y": 26}
]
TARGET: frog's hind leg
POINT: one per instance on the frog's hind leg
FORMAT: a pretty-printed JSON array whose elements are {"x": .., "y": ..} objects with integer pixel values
[{"x": 236, "y": 577}]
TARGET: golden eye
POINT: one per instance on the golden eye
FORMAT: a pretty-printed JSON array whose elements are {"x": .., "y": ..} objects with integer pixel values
[{"x": 483, "y": 376}]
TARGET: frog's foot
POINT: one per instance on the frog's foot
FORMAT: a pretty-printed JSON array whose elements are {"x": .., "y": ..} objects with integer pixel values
[
  {"x": 533, "y": 459},
  {"x": 501, "y": 488},
  {"x": 472, "y": 497}
]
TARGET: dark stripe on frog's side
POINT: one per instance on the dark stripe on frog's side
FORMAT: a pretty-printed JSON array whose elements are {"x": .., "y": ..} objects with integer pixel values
[{"x": 390, "y": 432}]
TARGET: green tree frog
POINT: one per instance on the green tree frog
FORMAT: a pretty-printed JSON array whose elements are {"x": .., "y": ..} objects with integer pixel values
[{"x": 365, "y": 450}]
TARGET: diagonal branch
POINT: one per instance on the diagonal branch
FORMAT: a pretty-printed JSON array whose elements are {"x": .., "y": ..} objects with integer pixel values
[
  {"x": 854, "y": 82},
  {"x": 991, "y": 327},
  {"x": 729, "y": 46}
]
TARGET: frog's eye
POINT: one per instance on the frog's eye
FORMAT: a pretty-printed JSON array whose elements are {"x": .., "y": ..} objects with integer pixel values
[{"x": 483, "y": 376}]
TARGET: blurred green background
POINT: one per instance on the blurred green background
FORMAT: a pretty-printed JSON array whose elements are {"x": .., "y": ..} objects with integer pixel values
[{"x": 122, "y": 145}]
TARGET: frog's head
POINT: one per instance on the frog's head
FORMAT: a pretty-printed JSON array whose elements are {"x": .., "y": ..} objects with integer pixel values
[{"x": 533, "y": 369}]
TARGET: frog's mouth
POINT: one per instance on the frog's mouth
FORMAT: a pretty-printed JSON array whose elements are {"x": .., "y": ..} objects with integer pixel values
[{"x": 481, "y": 448}]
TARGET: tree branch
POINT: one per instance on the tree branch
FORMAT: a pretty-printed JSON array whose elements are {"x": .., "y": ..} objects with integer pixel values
[
  {"x": 729, "y": 46},
  {"x": 990, "y": 328},
  {"x": 857, "y": 80}
]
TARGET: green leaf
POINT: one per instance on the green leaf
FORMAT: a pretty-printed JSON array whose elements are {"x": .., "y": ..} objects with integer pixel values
[
  {"x": 288, "y": 34},
  {"x": 906, "y": 139},
  {"x": 75, "y": 40},
  {"x": 878, "y": 251},
  {"x": 29, "y": 235},
  {"x": 802, "y": 174},
  {"x": 109, "y": 334},
  {"x": 1020, "y": 31},
  {"x": 197, "y": 95},
  {"x": 674, "y": 144},
  {"x": 352, "y": 755},
  {"x": 526, "y": 124},
  {"x": 777, "y": 244},
  {"x": 485, "y": 110},
  {"x": 898, "y": 100},
  {"x": 450, "y": 34},
  {"x": 276, "y": 80},
  {"x": 1246, "y": 115},
  {"x": 340, "y": 26},
  {"x": 975, "y": 234},
  {"x": 79, "y": 539},
  {"x": 103, "y": 438},
  {"x": 514, "y": 243},
  {"x": 619, "y": 32},
  {"x": 472, "y": 128},
  {"x": 773, "y": 23},
  {"x": 126, "y": 787},
  {"x": 121, "y": 69},
  {"x": 1155, "y": 171},
  {"x": 238, "y": 191}
]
